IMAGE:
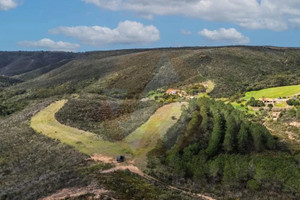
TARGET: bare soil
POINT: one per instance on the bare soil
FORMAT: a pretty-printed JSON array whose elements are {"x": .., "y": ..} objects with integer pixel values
[{"x": 76, "y": 192}]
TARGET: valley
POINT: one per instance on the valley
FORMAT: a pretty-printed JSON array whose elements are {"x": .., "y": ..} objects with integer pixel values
[{"x": 192, "y": 123}]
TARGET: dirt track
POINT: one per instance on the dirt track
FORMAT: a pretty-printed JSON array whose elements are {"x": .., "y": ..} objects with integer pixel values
[
  {"x": 76, "y": 192},
  {"x": 136, "y": 170}
]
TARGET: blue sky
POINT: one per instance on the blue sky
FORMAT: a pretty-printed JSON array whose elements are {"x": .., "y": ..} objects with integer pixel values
[{"x": 85, "y": 25}]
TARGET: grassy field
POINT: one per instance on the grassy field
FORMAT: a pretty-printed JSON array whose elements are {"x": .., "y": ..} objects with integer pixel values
[
  {"x": 86, "y": 142},
  {"x": 144, "y": 139},
  {"x": 210, "y": 86},
  {"x": 137, "y": 144},
  {"x": 285, "y": 91}
]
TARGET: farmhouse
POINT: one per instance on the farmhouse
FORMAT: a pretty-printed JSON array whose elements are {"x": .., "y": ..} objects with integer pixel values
[{"x": 268, "y": 101}]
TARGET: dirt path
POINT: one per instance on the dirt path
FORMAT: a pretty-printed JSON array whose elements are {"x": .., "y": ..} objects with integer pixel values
[
  {"x": 288, "y": 134},
  {"x": 134, "y": 169},
  {"x": 76, "y": 192}
]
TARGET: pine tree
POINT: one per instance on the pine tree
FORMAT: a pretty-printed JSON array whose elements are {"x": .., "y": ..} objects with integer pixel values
[
  {"x": 257, "y": 135},
  {"x": 243, "y": 138},
  {"x": 230, "y": 134},
  {"x": 216, "y": 135}
]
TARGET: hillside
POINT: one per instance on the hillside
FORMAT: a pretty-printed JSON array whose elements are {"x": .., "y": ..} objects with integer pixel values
[
  {"x": 218, "y": 150},
  {"x": 6, "y": 81},
  {"x": 15, "y": 63},
  {"x": 233, "y": 69},
  {"x": 65, "y": 117}
]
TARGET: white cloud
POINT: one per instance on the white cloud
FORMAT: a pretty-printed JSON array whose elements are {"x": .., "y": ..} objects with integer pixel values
[
  {"x": 252, "y": 14},
  {"x": 127, "y": 32},
  {"x": 7, "y": 4},
  {"x": 186, "y": 32},
  {"x": 295, "y": 22},
  {"x": 231, "y": 36},
  {"x": 49, "y": 44}
]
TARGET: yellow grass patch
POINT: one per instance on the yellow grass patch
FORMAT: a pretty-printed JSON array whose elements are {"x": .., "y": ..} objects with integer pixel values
[{"x": 137, "y": 144}]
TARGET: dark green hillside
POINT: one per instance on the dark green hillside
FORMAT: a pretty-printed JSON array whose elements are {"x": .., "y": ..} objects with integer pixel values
[
  {"x": 8, "y": 81},
  {"x": 129, "y": 73},
  {"x": 219, "y": 150},
  {"x": 133, "y": 73},
  {"x": 42, "y": 70},
  {"x": 238, "y": 69},
  {"x": 15, "y": 63}
]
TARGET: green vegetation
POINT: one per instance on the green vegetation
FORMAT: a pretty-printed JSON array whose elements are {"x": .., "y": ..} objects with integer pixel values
[
  {"x": 8, "y": 81},
  {"x": 137, "y": 144},
  {"x": 38, "y": 166},
  {"x": 222, "y": 152},
  {"x": 126, "y": 185},
  {"x": 112, "y": 119},
  {"x": 293, "y": 102},
  {"x": 86, "y": 142},
  {"x": 145, "y": 138},
  {"x": 209, "y": 147},
  {"x": 280, "y": 105},
  {"x": 32, "y": 165},
  {"x": 16, "y": 63},
  {"x": 255, "y": 103},
  {"x": 276, "y": 92}
]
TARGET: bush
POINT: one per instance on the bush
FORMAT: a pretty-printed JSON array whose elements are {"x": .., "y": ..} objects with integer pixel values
[
  {"x": 253, "y": 185},
  {"x": 293, "y": 102},
  {"x": 255, "y": 103}
]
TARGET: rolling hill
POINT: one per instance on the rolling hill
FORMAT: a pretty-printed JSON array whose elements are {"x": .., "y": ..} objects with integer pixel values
[{"x": 85, "y": 102}]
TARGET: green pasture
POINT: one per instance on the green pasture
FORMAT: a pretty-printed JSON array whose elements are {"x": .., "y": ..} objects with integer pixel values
[{"x": 284, "y": 91}]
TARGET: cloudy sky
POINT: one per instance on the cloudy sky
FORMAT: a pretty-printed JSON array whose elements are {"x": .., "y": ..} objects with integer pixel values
[{"x": 85, "y": 25}]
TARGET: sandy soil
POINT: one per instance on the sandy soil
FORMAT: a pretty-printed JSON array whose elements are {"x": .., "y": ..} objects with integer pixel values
[
  {"x": 76, "y": 192},
  {"x": 296, "y": 124}
]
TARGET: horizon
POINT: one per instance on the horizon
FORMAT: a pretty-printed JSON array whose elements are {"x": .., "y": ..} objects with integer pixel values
[
  {"x": 156, "y": 48},
  {"x": 93, "y": 25}
]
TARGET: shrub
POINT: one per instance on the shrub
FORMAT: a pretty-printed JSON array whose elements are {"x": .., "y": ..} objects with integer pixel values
[{"x": 253, "y": 185}]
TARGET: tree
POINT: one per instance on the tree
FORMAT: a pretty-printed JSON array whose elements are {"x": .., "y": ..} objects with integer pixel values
[
  {"x": 257, "y": 135},
  {"x": 255, "y": 103},
  {"x": 203, "y": 113},
  {"x": 293, "y": 102},
  {"x": 270, "y": 106},
  {"x": 243, "y": 138},
  {"x": 216, "y": 135},
  {"x": 230, "y": 134}
]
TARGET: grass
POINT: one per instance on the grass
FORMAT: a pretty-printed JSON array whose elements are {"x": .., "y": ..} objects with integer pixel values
[
  {"x": 138, "y": 144},
  {"x": 280, "y": 105},
  {"x": 210, "y": 86},
  {"x": 112, "y": 119},
  {"x": 86, "y": 142},
  {"x": 144, "y": 139},
  {"x": 238, "y": 106},
  {"x": 275, "y": 92}
]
